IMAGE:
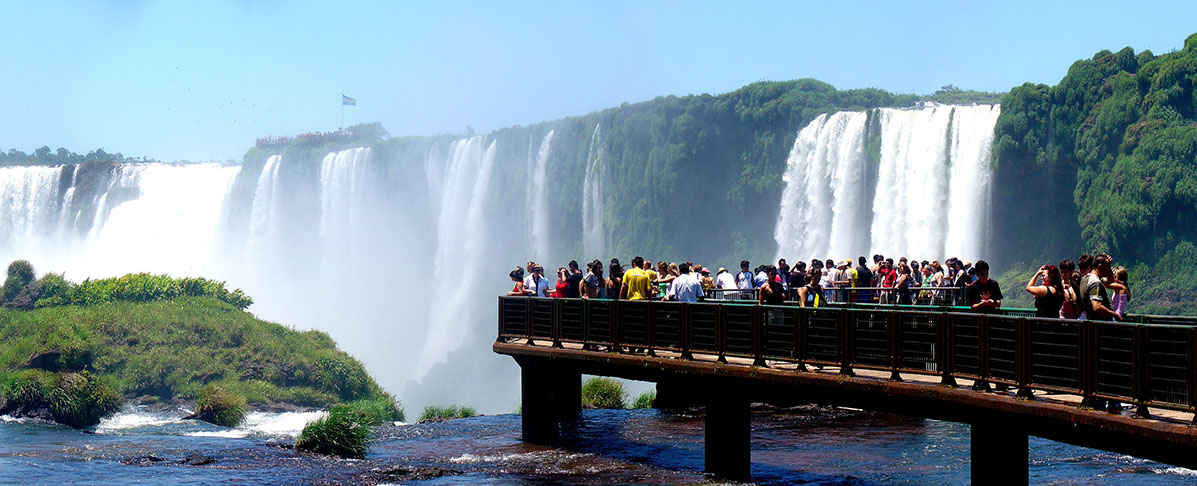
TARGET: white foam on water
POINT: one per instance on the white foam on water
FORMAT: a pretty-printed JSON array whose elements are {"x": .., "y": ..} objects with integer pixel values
[
  {"x": 286, "y": 423},
  {"x": 1178, "y": 471},
  {"x": 134, "y": 419},
  {"x": 224, "y": 434}
]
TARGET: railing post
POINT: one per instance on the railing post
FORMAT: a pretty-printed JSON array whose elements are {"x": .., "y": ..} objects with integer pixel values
[
  {"x": 650, "y": 329},
  {"x": 893, "y": 323},
  {"x": 846, "y": 336},
  {"x": 1088, "y": 361},
  {"x": 721, "y": 334},
  {"x": 1022, "y": 359},
  {"x": 687, "y": 331},
  {"x": 1140, "y": 372},
  {"x": 947, "y": 349},
  {"x": 982, "y": 383},
  {"x": 528, "y": 320},
  {"x": 499, "y": 337},
  {"x": 557, "y": 322},
  {"x": 758, "y": 336},
  {"x": 617, "y": 326},
  {"x": 800, "y": 335},
  {"x": 1191, "y": 373}
]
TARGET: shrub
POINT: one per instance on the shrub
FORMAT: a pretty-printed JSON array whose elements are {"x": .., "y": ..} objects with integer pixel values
[
  {"x": 446, "y": 412},
  {"x": 55, "y": 290},
  {"x": 645, "y": 400},
  {"x": 20, "y": 275},
  {"x": 376, "y": 410},
  {"x": 343, "y": 432},
  {"x": 79, "y": 400},
  {"x": 23, "y": 390},
  {"x": 344, "y": 376},
  {"x": 601, "y": 392},
  {"x": 219, "y": 406}
]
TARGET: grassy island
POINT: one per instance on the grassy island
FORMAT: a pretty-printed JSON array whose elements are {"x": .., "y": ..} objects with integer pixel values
[{"x": 168, "y": 338}]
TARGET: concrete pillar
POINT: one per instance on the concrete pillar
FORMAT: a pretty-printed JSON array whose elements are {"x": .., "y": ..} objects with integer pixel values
[
  {"x": 677, "y": 393},
  {"x": 728, "y": 445},
  {"x": 999, "y": 453},
  {"x": 549, "y": 393}
]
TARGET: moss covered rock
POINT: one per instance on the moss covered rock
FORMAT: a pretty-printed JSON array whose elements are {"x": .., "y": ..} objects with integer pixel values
[{"x": 219, "y": 406}]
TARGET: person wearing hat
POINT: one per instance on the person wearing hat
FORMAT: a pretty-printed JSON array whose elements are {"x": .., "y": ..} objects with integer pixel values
[
  {"x": 724, "y": 280},
  {"x": 708, "y": 283},
  {"x": 840, "y": 279}
]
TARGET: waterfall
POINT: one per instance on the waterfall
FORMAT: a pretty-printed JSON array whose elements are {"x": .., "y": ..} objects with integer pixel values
[
  {"x": 824, "y": 180},
  {"x": 28, "y": 207},
  {"x": 594, "y": 238},
  {"x": 265, "y": 206},
  {"x": 539, "y": 205},
  {"x": 933, "y": 180},
  {"x": 461, "y": 246},
  {"x": 340, "y": 187}
]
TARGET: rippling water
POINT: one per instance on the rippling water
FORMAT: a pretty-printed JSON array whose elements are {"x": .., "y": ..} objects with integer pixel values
[{"x": 818, "y": 446}]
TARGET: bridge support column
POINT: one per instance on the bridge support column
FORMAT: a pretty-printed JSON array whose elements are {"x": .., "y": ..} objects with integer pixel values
[
  {"x": 728, "y": 444},
  {"x": 677, "y": 393},
  {"x": 550, "y": 393},
  {"x": 999, "y": 453}
]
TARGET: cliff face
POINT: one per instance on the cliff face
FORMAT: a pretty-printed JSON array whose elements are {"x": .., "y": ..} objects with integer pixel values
[{"x": 1111, "y": 149}]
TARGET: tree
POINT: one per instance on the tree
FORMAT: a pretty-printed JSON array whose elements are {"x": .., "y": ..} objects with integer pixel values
[{"x": 368, "y": 133}]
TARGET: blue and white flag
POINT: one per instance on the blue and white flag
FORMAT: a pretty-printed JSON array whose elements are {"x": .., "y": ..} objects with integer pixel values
[{"x": 345, "y": 100}]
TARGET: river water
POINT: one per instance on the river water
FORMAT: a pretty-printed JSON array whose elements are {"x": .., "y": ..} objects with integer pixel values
[{"x": 818, "y": 446}]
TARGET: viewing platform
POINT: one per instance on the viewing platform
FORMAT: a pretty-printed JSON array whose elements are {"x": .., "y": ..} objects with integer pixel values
[{"x": 1008, "y": 374}]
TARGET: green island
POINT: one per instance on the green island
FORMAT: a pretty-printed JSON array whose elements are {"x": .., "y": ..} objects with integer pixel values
[{"x": 75, "y": 351}]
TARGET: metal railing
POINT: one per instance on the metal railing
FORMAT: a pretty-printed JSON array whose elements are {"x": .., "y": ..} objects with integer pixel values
[
  {"x": 1143, "y": 361},
  {"x": 928, "y": 296}
]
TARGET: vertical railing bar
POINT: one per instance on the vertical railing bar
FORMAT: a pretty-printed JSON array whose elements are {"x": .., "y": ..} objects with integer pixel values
[
  {"x": 1022, "y": 359},
  {"x": 687, "y": 331},
  {"x": 557, "y": 303},
  {"x": 801, "y": 334},
  {"x": 982, "y": 383},
  {"x": 1191, "y": 372},
  {"x": 847, "y": 350},
  {"x": 1140, "y": 372},
  {"x": 650, "y": 328},
  {"x": 721, "y": 334},
  {"x": 617, "y": 326},
  {"x": 893, "y": 324},
  {"x": 947, "y": 352}
]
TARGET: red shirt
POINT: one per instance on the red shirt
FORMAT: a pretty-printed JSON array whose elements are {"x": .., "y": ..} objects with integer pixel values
[{"x": 562, "y": 286}]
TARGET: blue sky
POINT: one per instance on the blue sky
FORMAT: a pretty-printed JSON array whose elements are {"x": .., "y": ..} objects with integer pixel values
[{"x": 201, "y": 80}]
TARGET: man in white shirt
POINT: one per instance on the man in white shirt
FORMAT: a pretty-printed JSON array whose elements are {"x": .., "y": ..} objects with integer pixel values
[
  {"x": 686, "y": 287},
  {"x": 536, "y": 281}
]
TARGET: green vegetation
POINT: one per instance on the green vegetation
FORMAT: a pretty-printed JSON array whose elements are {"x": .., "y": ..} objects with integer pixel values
[
  {"x": 599, "y": 392},
  {"x": 21, "y": 291},
  {"x": 75, "y": 399},
  {"x": 446, "y": 412},
  {"x": 44, "y": 156},
  {"x": 137, "y": 340},
  {"x": 344, "y": 432},
  {"x": 1106, "y": 154},
  {"x": 645, "y": 400},
  {"x": 219, "y": 406},
  {"x": 377, "y": 410}
]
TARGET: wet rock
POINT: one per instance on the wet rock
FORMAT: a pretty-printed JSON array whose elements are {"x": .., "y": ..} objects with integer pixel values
[
  {"x": 45, "y": 360},
  {"x": 197, "y": 460},
  {"x": 411, "y": 473},
  {"x": 143, "y": 461}
]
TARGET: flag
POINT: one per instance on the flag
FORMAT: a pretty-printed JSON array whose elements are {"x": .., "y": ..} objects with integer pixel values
[{"x": 345, "y": 100}]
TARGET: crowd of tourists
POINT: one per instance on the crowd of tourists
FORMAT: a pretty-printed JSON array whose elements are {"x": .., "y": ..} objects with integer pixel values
[{"x": 1090, "y": 288}]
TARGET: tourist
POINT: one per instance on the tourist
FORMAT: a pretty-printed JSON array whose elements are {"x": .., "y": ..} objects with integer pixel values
[
  {"x": 592, "y": 282},
  {"x": 561, "y": 291},
  {"x": 1121, "y": 288},
  {"x": 1049, "y": 295},
  {"x": 724, "y": 281},
  {"x": 574, "y": 280},
  {"x": 985, "y": 295},
  {"x": 536, "y": 282},
  {"x": 1070, "y": 308},
  {"x": 761, "y": 276},
  {"x": 811, "y": 294},
  {"x": 744, "y": 278},
  {"x": 636, "y": 282},
  {"x": 826, "y": 282},
  {"x": 783, "y": 273},
  {"x": 1092, "y": 296},
  {"x": 797, "y": 278},
  {"x": 614, "y": 280},
  {"x": 653, "y": 276},
  {"x": 517, "y": 276},
  {"x": 864, "y": 278},
  {"x": 916, "y": 274},
  {"x": 708, "y": 283},
  {"x": 771, "y": 293},
  {"x": 686, "y": 287},
  {"x": 903, "y": 285}
]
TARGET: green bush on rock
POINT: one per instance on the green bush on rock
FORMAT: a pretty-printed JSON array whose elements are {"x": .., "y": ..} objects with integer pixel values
[
  {"x": 375, "y": 411},
  {"x": 446, "y": 412},
  {"x": 601, "y": 392},
  {"x": 219, "y": 406},
  {"x": 344, "y": 432},
  {"x": 645, "y": 400},
  {"x": 79, "y": 400}
]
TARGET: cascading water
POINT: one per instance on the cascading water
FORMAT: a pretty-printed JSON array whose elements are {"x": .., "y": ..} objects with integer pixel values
[
  {"x": 539, "y": 204},
  {"x": 929, "y": 199},
  {"x": 340, "y": 188},
  {"x": 28, "y": 204},
  {"x": 594, "y": 241},
  {"x": 265, "y": 206}
]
